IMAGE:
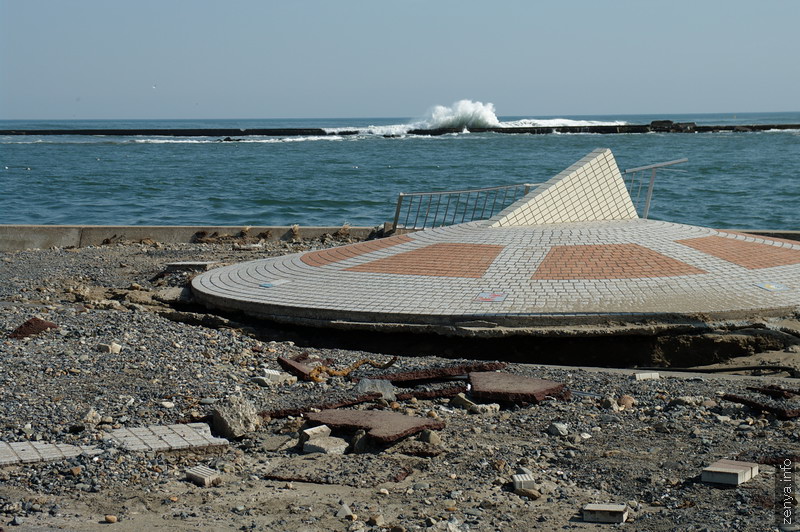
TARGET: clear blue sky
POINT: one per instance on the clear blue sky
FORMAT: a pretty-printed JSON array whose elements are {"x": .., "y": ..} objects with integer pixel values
[{"x": 371, "y": 58}]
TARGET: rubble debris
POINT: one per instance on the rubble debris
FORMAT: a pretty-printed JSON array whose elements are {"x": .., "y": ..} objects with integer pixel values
[
  {"x": 313, "y": 433},
  {"x": 279, "y": 377},
  {"x": 491, "y": 408},
  {"x": 27, "y": 452},
  {"x": 301, "y": 365},
  {"x": 235, "y": 418},
  {"x": 361, "y": 471},
  {"x": 439, "y": 372},
  {"x": 730, "y": 472},
  {"x": 330, "y": 401},
  {"x": 558, "y": 429},
  {"x": 523, "y": 481},
  {"x": 203, "y": 476},
  {"x": 32, "y": 327},
  {"x": 779, "y": 408},
  {"x": 384, "y": 427},
  {"x": 646, "y": 376},
  {"x": 380, "y": 386},
  {"x": 605, "y": 513},
  {"x": 317, "y": 371},
  {"x": 507, "y": 387}
]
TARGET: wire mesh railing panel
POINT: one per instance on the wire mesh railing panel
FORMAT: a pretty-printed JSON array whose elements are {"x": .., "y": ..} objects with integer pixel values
[
  {"x": 421, "y": 210},
  {"x": 640, "y": 181}
]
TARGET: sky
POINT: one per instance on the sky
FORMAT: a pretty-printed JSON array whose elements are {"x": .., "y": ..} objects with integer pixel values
[{"x": 145, "y": 59}]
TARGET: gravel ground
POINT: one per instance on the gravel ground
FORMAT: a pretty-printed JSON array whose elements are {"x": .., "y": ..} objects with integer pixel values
[{"x": 175, "y": 366}]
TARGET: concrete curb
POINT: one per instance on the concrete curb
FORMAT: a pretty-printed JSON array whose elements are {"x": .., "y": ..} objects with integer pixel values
[{"x": 19, "y": 237}]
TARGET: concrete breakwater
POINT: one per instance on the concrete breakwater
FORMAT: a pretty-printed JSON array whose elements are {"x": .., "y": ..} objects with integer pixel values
[{"x": 658, "y": 126}]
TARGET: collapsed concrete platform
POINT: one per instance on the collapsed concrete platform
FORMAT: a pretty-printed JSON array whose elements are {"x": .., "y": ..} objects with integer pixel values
[{"x": 569, "y": 256}]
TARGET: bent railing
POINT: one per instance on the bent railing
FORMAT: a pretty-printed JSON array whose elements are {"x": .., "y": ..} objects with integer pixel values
[
  {"x": 635, "y": 184},
  {"x": 420, "y": 210}
]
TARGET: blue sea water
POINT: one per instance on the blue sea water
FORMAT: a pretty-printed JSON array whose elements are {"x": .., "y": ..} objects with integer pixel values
[{"x": 732, "y": 180}]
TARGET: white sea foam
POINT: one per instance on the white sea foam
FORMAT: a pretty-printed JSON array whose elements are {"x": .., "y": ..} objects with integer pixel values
[{"x": 465, "y": 114}]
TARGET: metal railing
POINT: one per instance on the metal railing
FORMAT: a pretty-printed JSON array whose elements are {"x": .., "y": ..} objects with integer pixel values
[
  {"x": 420, "y": 210},
  {"x": 635, "y": 184}
]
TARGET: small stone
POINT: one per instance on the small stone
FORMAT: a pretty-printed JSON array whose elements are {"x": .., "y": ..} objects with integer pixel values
[
  {"x": 558, "y": 429},
  {"x": 92, "y": 417},
  {"x": 326, "y": 445},
  {"x": 235, "y": 418},
  {"x": 344, "y": 512},
  {"x": 376, "y": 520},
  {"x": 168, "y": 404},
  {"x": 430, "y": 436},
  {"x": 113, "y": 348},
  {"x": 609, "y": 403},
  {"x": 461, "y": 401},
  {"x": 626, "y": 401},
  {"x": 111, "y": 518},
  {"x": 75, "y": 471},
  {"x": 491, "y": 408}
]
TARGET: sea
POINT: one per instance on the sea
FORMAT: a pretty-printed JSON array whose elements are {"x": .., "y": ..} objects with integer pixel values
[{"x": 738, "y": 180}]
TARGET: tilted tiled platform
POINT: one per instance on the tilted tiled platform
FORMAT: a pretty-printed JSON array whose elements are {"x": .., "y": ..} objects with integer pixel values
[{"x": 591, "y": 261}]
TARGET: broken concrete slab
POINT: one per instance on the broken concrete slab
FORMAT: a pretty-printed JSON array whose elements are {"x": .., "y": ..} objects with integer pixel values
[
  {"x": 166, "y": 437},
  {"x": 384, "y": 427},
  {"x": 430, "y": 391},
  {"x": 646, "y": 376},
  {"x": 362, "y": 470},
  {"x": 438, "y": 372},
  {"x": 781, "y": 408},
  {"x": 417, "y": 448},
  {"x": 32, "y": 327},
  {"x": 235, "y": 418},
  {"x": 203, "y": 476},
  {"x": 507, "y": 387},
  {"x": 329, "y": 401},
  {"x": 605, "y": 513}
]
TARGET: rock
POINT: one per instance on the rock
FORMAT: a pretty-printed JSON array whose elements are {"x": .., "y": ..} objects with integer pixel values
[
  {"x": 344, "y": 512},
  {"x": 325, "y": 445},
  {"x": 558, "y": 429},
  {"x": 376, "y": 520},
  {"x": 461, "y": 401},
  {"x": 430, "y": 436},
  {"x": 491, "y": 408},
  {"x": 360, "y": 443},
  {"x": 626, "y": 401},
  {"x": 92, "y": 417},
  {"x": 277, "y": 377},
  {"x": 111, "y": 518},
  {"x": 530, "y": 493},
  {"x": 609, "y": 403},
  {"x": 113, "y": 348},
  {"x": 235, "y": 418},
  {"x": 174, "y": 295},
  {"x": 380, "y": 386},
  {"x": 167, "y": 404}
]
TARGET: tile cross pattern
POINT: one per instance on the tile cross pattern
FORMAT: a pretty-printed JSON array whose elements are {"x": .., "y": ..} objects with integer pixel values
[
  {"x": 438, "y": 260},
  {"x": 750, "y": 255},
  {"x": 609, "y": 261}
]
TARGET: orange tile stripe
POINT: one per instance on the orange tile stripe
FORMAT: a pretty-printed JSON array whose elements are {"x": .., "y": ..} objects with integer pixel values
[
  {"x": 750, "y": 255},
  {"x": 333, "y": 255},
  {"x": 609, "y": 261},
  {"x": 438, "y": 260},
  {"x": 760, "y": 237}
]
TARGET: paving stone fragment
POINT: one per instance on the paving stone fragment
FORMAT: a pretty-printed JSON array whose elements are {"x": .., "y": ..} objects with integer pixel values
[
  {"x": 279, "y": 377},
  {"x": 32, "y": 327},
  {"x": 646, "y": 376},
  {"x": 32, "y": 452},
  {"x": 384, "y": 427},
  {"x": 730, "y": 472},
  {"x": 203, "y": 476},
  {"x": 507, "y": 387},
  {"x": 166, "y": 437},
  {"x": 523, "y": 481},
  {"x": 605, "y": 513}
]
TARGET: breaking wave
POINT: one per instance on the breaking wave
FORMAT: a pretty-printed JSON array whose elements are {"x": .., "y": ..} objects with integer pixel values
[{"x": 469, "y": 114}]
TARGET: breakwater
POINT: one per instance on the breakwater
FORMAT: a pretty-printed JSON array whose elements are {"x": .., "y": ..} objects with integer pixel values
[{"x": 658, "y": 126}]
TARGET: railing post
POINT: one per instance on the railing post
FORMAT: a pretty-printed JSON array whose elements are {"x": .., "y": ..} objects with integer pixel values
[
  {"x": 649, "y": 194},
  {"x": 397, "y": 211}
]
